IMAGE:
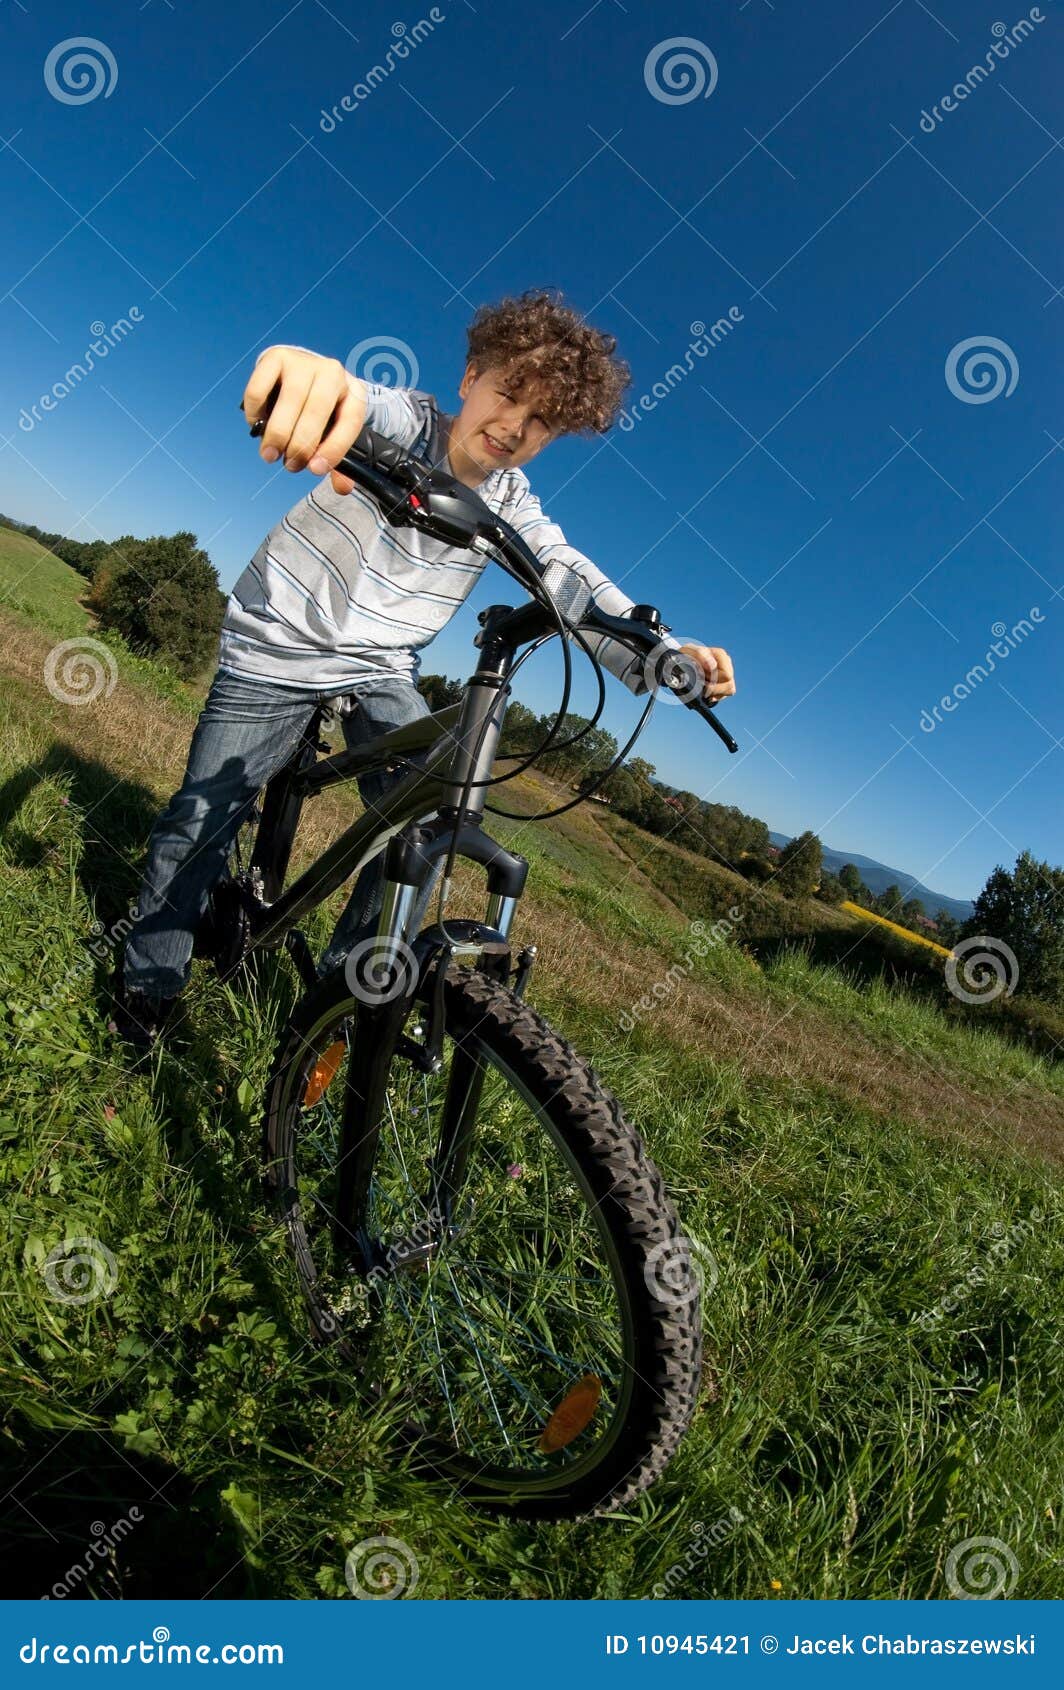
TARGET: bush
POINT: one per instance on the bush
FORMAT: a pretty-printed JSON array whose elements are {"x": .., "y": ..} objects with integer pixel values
[
  {"x": 162, "y": 596},
  {"x": 831, "y": 890}
]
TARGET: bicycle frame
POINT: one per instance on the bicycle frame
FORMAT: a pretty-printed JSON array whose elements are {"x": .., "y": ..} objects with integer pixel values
[
  {"x": 444, "y": 750},
  {"x": 416, "y": 823}
]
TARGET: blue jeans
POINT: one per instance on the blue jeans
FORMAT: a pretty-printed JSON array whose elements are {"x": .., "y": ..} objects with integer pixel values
[{"x": 247, "y": 731}]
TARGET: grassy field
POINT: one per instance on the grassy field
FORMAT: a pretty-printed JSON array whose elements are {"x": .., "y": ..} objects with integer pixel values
[{"x": 878, "y": 1185}]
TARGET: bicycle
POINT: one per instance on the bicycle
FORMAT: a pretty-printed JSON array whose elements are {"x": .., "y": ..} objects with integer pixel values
[{"x": 467, "y": 1207}]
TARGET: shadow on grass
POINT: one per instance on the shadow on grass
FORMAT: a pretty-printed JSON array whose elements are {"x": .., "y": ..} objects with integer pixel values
[
  {"x": 66, "y": 1490},
  {"x": 865, "y": 959},
  {"x": 82, "y": 1519},
  {"x": 117, "y": 817}
]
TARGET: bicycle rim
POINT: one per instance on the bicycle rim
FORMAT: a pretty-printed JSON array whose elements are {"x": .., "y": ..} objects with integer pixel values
[{"x": 510, "y": 1327}]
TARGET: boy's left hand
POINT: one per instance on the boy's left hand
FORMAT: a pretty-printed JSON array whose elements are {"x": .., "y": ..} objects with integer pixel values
[{"x": 717, "y": 667}]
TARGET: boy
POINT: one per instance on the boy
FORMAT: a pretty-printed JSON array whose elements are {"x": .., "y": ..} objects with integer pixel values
[{"x": 335, "y": 603}]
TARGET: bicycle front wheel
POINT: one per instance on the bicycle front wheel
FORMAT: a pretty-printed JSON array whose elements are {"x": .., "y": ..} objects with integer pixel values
[{"x": 541, "y": 1325}]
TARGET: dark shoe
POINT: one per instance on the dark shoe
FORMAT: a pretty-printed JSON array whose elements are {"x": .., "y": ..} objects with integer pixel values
[{"x": 136, "y": 1017}]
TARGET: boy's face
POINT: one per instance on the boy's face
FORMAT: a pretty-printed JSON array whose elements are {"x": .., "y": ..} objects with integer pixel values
[{"x": 501, "y": 424}]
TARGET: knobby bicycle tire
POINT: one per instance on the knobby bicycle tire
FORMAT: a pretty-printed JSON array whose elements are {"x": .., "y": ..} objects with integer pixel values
[{"x": 587, "y": 1123}]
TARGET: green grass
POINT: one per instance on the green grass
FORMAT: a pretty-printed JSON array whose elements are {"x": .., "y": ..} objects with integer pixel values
[
  {"x": 882, "y": 1313},
  {"x": 38, "y": 589},
  {"x": 894, "y": 1016},
  {"x": 38, "y": 584}
]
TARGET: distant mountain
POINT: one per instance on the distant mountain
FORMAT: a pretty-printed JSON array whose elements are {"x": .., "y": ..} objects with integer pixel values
[{"x": 877, "y": 877}]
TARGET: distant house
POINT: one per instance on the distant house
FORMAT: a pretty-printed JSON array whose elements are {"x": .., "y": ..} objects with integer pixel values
[
  {"x": 675, "y": 804},
  {"x": 925, "y": 921},
  {"x": 772, "y": 850}
]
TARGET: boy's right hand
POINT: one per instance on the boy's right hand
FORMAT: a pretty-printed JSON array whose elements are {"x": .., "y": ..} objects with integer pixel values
[{"x": 317, "y": 414}]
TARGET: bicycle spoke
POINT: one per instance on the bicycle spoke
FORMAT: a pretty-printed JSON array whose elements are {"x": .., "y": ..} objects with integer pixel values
[{"x": 497, "y": 1313}]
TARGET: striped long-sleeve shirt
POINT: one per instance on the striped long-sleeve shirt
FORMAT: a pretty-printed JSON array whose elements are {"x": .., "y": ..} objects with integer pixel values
[{"x": 335, "y": 595}]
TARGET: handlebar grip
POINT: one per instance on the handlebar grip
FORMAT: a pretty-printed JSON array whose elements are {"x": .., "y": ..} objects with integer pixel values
[
  {"x": 380, "y": 453},
  {"x": 370, "y": 448}
]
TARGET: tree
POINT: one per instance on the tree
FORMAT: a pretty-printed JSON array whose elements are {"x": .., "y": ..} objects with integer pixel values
[
  {"x": 438, "y": 691},
  {"x": 1025, "y": 910},
  {"x": 912, "y": 912},
  {"x": 593, "y": 750},
  {"x": 162, "y": 596},
  {"x": 850, "y": 880},
  {"x": 800, "y": 867},
  {"x": 948, "y": 928},
  {"x": 622, "y": 791},
  {"x": 521, "y": 731},
  {"x": 831, "y": 890},
  {"x": 889, "y": 902}
]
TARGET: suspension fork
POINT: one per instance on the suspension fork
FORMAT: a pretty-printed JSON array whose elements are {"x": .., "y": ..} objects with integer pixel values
[
  {"x": 465, "y": 1085},
  {"x": 383, "y": 978}
]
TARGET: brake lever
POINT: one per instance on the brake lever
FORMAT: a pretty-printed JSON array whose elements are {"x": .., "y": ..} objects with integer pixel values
[
  {"x": 706, "y": 711},
  {"x": 616, "y": 627},
  {"x": 256, "y": 429}
]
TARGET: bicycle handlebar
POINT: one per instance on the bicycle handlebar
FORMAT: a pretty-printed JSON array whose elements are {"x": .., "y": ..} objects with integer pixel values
[{"x": 412, "y": 494}]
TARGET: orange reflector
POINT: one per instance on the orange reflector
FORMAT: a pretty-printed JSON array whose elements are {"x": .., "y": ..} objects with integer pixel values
[
  {"x": 323, "y": 1073},
  {"x": 575, "y": 1411}
]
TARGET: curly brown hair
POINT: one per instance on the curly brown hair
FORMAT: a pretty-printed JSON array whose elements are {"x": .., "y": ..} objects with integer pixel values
[{"x": 537, "y": 337}]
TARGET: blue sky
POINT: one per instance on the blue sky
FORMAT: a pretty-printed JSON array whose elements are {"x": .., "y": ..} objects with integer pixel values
[{"x": 815, "y": 494}]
